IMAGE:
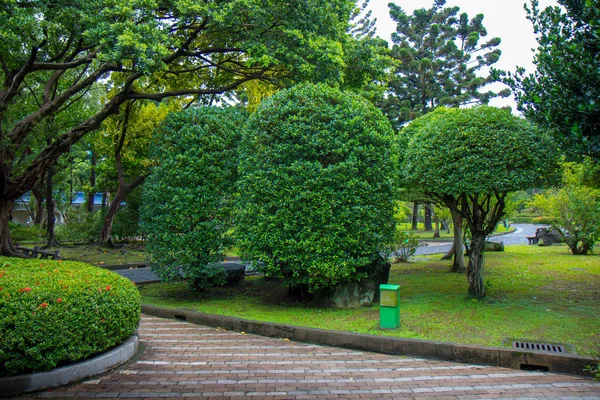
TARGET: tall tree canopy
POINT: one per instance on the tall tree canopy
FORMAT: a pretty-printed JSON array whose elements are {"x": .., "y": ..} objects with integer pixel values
[
  {"x": 440, "y": 54},
  {"x": 564, "y": 92},
  {"x": 53, "y": 53},
  {"x": 469, "y": 160}
]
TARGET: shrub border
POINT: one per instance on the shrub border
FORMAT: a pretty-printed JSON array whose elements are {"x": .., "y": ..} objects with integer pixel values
[
  {"x": 502, "y": 357},
  {"x": 19, "y": 384}
]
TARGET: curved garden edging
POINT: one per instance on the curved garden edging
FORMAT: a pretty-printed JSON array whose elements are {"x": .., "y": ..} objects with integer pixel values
[
  {"x": 473, "y": 354},
  {"x": 14, "y": 385}
]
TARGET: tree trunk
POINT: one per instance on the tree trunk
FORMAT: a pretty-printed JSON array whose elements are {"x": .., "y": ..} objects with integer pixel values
[
  {"x": 51, "y": 217},
  {"x": 449, "y": 254},
  {"x": 109, "y": 218},
  {"x": 415, "y": 216},
  {"x": 6, "y": 246},
  {"x": 458, "y": 265},
  {"x": 123, "y": 189},
  {"x": 104, "y": 199},
  {"x": 37, "y": 192},
  {"x": 475, "y": 266},
  {"x": 428, "y": 213},
  {"x": 436, "y": 233},
  {"x": 92, "y": 193}
]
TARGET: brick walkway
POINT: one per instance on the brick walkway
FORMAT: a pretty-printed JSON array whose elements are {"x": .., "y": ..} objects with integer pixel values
[{"x": 185, "y": 360}]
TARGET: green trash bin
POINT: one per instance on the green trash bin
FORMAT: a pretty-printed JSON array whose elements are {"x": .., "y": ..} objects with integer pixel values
[{"x": 389, "y": 306}]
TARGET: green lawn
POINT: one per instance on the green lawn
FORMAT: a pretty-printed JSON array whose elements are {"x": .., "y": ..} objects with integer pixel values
[
  {"x": 97, "y": 255},
  {"x": 534, "y": 293}
]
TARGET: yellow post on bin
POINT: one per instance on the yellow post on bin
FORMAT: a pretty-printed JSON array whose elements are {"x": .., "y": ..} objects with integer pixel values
[{"x": 389, "y": 306}]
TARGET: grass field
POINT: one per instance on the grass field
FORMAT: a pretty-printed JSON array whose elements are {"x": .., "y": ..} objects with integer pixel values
[
  {"x": 534, "y": 293},
  {"x": 97, "y": 255}
]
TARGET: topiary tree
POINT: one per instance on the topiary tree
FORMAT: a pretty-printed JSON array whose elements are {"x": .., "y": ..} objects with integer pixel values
[
  {"x": 188, "y": 197},
  {"x": 470, "y": 160},
  {"x": 317, "y": 188}
]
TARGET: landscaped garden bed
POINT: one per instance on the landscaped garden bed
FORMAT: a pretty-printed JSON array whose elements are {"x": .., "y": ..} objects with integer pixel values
[
  {"x": 54, "y": 313},
  {"x": 534, "y": 293}
]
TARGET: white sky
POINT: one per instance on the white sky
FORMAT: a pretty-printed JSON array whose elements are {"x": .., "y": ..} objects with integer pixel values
[{"x": 505, "y": 19}]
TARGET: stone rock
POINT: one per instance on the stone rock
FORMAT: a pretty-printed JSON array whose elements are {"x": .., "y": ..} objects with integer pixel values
[
  {"x": 548, "y": 237},
  {"x": 355, "y": 295},
  {"x": 365, "y": 292},
  {"x": 493, "y": 246},
  {"x": 235, "y": 272}
]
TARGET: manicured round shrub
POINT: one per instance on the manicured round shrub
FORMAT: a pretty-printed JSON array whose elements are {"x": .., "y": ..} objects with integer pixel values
[
  {"x": 188, "y": 198},
  {"x": 317, "y": 188},
  {"x": 54, "y": 313}
]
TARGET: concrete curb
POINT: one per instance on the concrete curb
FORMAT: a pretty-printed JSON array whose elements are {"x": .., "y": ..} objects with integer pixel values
[
  {"x": 19, "y": 384},
  {"x": 497, "y": 356}
]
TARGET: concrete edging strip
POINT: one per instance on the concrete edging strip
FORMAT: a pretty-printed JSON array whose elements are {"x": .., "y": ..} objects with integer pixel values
[
  {"x": 14, "y": 385},
  {"x": 472, "y": 354}
]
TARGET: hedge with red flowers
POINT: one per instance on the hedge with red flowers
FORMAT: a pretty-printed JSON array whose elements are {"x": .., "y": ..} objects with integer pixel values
[{"x": 54, "y": 313}]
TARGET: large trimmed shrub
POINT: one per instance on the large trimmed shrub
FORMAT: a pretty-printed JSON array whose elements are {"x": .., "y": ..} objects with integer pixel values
[
  {"x": 54, "y": 313},
  {"x": 316, "y": 188},
  {"x": 187, "y": 199}
]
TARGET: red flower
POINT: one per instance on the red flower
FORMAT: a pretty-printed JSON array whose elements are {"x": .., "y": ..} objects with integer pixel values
[
  {"x": 107, "y": 287},
  {"x": 44, "y": 304},
  {"x": 59, "y": 300},
  {"x": 1, "y": 288},
  {"x": 25, "y": 289}
]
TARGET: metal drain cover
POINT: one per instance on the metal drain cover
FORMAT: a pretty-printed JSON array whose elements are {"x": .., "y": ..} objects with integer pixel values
[{"x": 548, "y": 348}]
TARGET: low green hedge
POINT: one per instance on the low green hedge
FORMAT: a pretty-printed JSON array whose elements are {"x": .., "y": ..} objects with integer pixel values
[
  {"x": 54, "y": 313},
  {"x": 520, "y": 219},
  {"x": 21, "y": 233},
  {"x": 541, "y": 220}
]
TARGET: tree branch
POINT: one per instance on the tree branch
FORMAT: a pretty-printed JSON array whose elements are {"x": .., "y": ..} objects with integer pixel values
[
  {"x": 184, "y": 92},
  {"x": 7, "y": 95},
  {"x": 21, "y": 129}
]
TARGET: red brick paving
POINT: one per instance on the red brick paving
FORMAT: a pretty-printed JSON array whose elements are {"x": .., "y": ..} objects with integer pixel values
[{"x": 186, "y": 361}]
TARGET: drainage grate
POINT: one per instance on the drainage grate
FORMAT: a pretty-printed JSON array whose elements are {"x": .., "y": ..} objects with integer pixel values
[{"x": 549, "y": 348}]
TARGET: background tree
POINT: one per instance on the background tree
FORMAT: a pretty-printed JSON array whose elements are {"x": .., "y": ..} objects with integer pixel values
[
  {"x": 58, "y": 51},
  {"x": 316, "y": 188},
  {"x": 574, "y": 209},
  {"x": 485, "y": 153},
  {"x": 562, "y": 94},
  {"x": 125, "y": 140},
  {"x": 440, "y": 62},
  {"x": 188, "y": 198}
]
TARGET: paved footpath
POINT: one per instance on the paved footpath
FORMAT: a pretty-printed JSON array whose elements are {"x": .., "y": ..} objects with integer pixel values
[{"x": 186, "y": 360}]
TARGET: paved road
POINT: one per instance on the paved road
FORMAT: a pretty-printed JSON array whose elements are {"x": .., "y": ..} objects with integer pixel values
[
  {"x": 185, "y": 360},
  {"x": 519, "y": 236}
]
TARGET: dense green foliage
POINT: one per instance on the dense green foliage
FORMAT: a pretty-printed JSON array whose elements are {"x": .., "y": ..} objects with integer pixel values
[
  {"x": 440, "y": 58},
  {"x": 470, "y": 160},
  {"x": 562, "y": 94},
  {"x": 316, "y": 187},
  {"x": 573, "y": 209},
  {"x": 81, "y": 227},
  {"x": 188, "y": 198},
  {"x": 53, "y": 313},
  {"x": 22, "y": 233},
  {"x": 59, "y": 58}
]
